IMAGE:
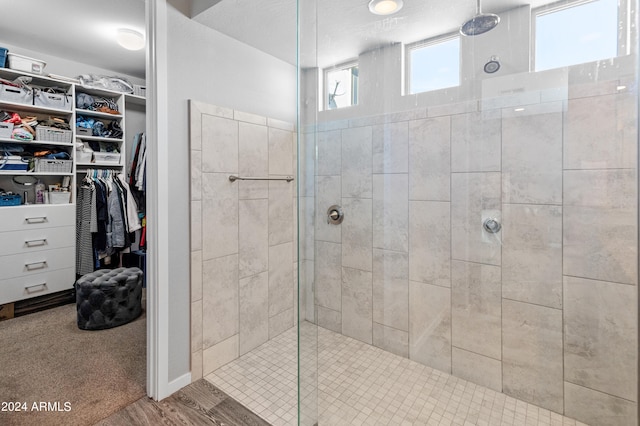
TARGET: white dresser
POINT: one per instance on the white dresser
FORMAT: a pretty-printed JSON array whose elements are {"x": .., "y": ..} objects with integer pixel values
[{"x": 37, "y": 250}]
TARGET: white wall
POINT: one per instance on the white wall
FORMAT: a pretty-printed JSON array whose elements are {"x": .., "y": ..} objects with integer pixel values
[{"x": 208, "y": 66}]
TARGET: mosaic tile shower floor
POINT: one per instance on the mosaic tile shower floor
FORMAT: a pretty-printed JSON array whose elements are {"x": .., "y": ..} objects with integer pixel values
[{"x": 359, "y": 384}]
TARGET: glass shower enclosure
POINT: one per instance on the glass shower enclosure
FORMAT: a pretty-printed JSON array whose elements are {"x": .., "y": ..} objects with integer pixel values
[{"x": 468, "y": 212}]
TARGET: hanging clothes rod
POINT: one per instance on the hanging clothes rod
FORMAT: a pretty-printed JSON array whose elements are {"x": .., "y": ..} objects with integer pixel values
[{"x": 233, "y": 178}]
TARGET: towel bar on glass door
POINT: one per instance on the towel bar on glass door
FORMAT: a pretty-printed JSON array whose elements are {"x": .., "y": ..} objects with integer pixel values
[{"x": 233, "y": 178}]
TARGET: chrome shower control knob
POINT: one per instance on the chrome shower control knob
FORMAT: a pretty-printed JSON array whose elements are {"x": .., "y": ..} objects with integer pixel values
[
  {"x": 335, "y": 215},
  {"x": 491, "y": 225}
]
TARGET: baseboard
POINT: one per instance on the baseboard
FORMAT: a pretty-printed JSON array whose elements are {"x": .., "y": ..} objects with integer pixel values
[{"x": 177, "y": 384}]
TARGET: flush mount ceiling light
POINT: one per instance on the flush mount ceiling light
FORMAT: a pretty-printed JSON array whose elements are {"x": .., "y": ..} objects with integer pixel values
[
  {"x": 130, "y": 39},
  {"x": 385, "y": 7}
]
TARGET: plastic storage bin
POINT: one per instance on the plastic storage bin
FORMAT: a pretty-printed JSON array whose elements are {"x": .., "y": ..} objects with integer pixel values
[
  {"x": 51, "y": 100},
  {"x": 24, "y": 63},
  {"x": 18, "y": 95},
  {"x": 6, "y": 129},
  {"x": 83, "y": 131},
  {"x": 10, "y": 200},
  {"x": 48, "y": 165},
  {"x": 3, "y": 57},
  {"x": 13, "y": 162},
  {"x": 59, "y": 197},
  {"x": 53, "y": 134},
  {"x": 106, "y": 157}
]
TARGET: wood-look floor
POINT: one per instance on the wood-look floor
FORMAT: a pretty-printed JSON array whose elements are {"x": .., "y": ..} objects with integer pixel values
[{"x": 200, "y": 403}]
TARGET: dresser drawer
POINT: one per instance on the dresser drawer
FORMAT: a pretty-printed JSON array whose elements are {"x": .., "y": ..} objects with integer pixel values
[
  {"x": 36, "y": 216},
  {"x": 24, "y": 287},
  {"x": 36, "y": 240},
  {"x": 37, "y": 262}
]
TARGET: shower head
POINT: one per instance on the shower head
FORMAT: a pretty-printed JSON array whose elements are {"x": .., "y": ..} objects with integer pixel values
[{"x": 479, "y": 24}]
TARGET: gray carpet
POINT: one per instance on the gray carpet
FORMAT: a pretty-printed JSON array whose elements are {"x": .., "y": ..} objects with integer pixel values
[{"x": 44, "y": 357}]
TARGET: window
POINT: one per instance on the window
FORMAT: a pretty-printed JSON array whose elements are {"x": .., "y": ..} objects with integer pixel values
[
  {"x": 341, "y": 86},
  {"x": 575, "y": 34},
  {"x": 433, "y": 64}
]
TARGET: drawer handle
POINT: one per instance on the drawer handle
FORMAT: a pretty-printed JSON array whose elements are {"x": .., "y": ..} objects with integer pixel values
[
  {"x": 39, "y": 219},
  {"x": 36, "y": 265},
  {"x": 36, "y": 243},
  {"x": 42, "y": 286}
]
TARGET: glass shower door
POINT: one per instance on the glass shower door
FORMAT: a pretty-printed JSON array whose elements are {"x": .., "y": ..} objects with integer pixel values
[{"x": 486, "y": 262}]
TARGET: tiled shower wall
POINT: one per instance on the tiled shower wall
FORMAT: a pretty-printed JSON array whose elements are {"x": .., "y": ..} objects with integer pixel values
[
  {"x": 242, "y": 234},
  {"x": 546, "y": 309}
]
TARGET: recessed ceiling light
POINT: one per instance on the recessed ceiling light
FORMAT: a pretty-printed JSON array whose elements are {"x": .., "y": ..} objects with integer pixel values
[
  {"x": 385, "y": 7},
  {"x": 130, "y": 39},
  {"x": 621, "y": 87},
  {"x": 519, "y": 109}
]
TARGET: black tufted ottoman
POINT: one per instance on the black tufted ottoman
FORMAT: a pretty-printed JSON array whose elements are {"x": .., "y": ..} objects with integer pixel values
[{"x": 108, "y": 298}]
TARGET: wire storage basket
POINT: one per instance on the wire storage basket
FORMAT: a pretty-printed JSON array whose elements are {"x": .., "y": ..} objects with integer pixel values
[
  {"x": 51, "y": 134},
  {"x": 52, "y": 165}
]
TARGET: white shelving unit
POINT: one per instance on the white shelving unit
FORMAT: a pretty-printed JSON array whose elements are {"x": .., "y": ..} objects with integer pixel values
[
  {"x": 118, "y": 144},
  {"x": 37, "y": 253}
]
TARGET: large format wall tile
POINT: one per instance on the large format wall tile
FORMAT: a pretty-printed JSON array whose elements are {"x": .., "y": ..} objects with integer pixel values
[
  {"x": 280, "y": 278},
  {"x": 329, "y": 194},
  {"x": 196, "y": 275},
  {"x": 254, "y": 311},
  {"x": 253, "y": 160},
  {"x": 600, "y": 341},
  {"x": 475, "y": 142},
  {"x": 306, "y": 170},
  {"x": 532, "y": 155},
  {"x": 280, "y": 323},
  {"x": 328, "y": 275},
  {"x": 476, "y": 368},
  {"x": 612, "y": 189},
  {"x": 596, "y": 408},
  {"x": 196, "y": 326},
  {"x": 430, "y": 325},
  {"x": 391, "y": 212},
  {"x": 280, "y": 208},
  {"x": 532, "y": 354},
  {"x": 390, "y": 339},
  {"x": 196, "y": 225},
  {"x": 196, "y": 175},
  {"x": 391, "y": 289},
  {"x": 280, "y": 152},
  {"x": 306, "y": 230},
  {"x": 476, "y": 311},
  {"x": 357, "y": 162},
  {"x": 356, "y": 305},
  {"x": 600, "y": 225},
  {"x": 595, "y": 136},
  {"x": 600, "y": 243},
  {"x": 532, "y": 254},
  {"x": 391, "y": 148},
  {"x": 357, "y": 233},
  {"x": 220, "y": 299},
  {"x": 430, "y": 159},
  {"x": 430, "y": 242},
  {"x": 220, "y": 209},
  {"x": 474, "y": 198},
  {"x": 329, "y": 151},
  {"x": 330, "y": 319},
  {"x": 218, "y": 355},
  {"x": 219, "y": 145},
  {"x": 253, "y": 243}
]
